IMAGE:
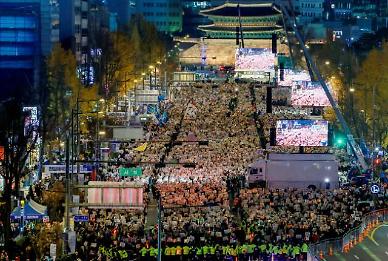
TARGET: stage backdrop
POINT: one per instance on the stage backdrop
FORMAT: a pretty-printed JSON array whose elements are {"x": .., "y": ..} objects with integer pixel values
[{"x": 115, "y": 193}]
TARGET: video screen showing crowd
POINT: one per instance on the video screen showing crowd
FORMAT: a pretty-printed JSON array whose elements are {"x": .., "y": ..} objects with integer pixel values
[
  {"x": 305, "y": 133},
  {"x": 214, "y": 131}
]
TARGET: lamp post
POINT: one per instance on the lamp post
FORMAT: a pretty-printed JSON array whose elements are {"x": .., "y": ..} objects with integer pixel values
[
  {"x": 158, "y": 63},
  {"x": 143, "y": 77},
  {"x": 151, "y": 67}
]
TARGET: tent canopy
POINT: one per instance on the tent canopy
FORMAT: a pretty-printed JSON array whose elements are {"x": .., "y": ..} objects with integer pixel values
[{"x": 32, "y": 210}]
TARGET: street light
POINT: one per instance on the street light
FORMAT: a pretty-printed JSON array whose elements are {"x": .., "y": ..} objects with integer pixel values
[
  {"x": 327, "y": 62},
  {"x": 351, "y": 89}
]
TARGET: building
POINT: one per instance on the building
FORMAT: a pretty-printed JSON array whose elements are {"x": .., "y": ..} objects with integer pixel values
[
  {"x": 310, "y": 10},
  {"x": 192, "y": 17},
  {"x": 166, "y": 15},
  {"x": 122, "y": 10},
  {"x": 218, "y": 46},
  {"x": 259, "y": 21},
  {"x": 74, "y": 26},
  {"x": 28, "y": 31},
  {"x": 338, "y": 10}
]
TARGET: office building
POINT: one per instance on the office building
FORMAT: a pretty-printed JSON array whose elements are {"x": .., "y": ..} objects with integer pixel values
[
  {"x": 74, "y": 26},
  {"x": 28, "y": 31},
  {"x": 310, "y": 10},
  {"x": 166, "y": 15}
]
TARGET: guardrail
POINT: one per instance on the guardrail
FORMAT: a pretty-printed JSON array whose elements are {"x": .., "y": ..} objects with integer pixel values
[{"x": 351, "y": 238}]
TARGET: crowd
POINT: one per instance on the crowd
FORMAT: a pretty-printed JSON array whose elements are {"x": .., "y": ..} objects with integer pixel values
[{"x": 213, "y": 133}]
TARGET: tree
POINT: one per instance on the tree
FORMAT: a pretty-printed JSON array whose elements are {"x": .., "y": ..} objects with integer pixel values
[
  {"x": 53, "y": 199},
  {"x": 371, "y": 93},
  {"x": 63, "y": 90},
  {"x": 46, "y": 234},
  {"x": 18, "y": 141},
  {"x": 116, "y": 62}
]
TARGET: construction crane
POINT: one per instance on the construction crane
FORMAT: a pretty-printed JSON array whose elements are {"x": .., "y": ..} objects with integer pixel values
[{"x": 356, "y": 150}]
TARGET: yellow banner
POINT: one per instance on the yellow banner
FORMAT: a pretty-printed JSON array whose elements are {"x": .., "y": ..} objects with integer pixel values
[{"x": 142, "y": 147}]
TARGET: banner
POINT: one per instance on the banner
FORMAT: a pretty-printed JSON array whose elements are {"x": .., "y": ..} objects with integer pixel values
[
  {"x": 110, "y": 194},
  {"x": 130, "y": 172},
  {"x": 142, "y": 147}
]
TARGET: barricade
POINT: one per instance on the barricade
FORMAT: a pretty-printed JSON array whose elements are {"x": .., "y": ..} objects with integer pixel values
[{"x": 349, "y": 239}]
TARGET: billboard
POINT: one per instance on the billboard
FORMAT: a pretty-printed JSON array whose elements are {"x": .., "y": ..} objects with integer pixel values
[
  {"x": 113, "y": 194},
  {"x": 307, "y": 93},
  {"x": 302, "y": 133},
  {"x": 290, "y": 76},
  {"x": 254, "y": 59}
]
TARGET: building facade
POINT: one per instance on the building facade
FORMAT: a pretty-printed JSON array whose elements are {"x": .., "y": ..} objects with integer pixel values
[
  {"x": 192, "y": 17},
  {"x": 310, "y": 10},
  {"x": 166, "y": 15},
  {"x": 28, "y": 31},
  {"x": 74, "y": 26}
]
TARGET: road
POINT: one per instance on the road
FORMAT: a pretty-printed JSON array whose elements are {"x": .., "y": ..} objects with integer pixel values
[{"x": 372, "y": 248}]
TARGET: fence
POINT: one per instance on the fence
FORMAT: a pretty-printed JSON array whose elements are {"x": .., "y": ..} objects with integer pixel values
[{"x": 351, "y": 238}]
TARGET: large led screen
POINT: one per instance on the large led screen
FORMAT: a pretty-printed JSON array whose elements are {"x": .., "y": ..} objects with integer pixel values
[
  {"x": 254, "y": 59},
  {"x": 290, "y": 76},
  {"x": 306, "y": 93},
  {"x": 302, "y": 133}
]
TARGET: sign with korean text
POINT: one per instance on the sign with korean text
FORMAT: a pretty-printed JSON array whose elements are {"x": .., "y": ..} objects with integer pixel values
[{"x": 130, "y": 172}]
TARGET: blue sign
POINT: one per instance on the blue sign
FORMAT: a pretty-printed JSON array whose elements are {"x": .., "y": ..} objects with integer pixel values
[
  {"x": 375, "y": 189},
  {"x": 80, "y": 218}
]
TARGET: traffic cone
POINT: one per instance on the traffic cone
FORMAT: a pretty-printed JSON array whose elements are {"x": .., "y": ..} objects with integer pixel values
[
  {"x": 346, "y": 249},
  {"x": 321, "y": 255}
]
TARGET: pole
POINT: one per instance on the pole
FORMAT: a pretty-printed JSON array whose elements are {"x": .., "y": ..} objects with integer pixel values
[
  {"x": 78, "y": 139},
  {"x": 67, "y": 199},
  {"x": 150, "y": 80},
  {"x": 240, "y": 25},
  {"x": 156, "y": 86},
  {"x": 374, "y": 116},
  {"x": 165, "y": 83},
  {"x": 160, "y": 228}
]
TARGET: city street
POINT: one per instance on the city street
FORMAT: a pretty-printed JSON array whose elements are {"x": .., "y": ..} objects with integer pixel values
[{"x": 374, "y": 247}]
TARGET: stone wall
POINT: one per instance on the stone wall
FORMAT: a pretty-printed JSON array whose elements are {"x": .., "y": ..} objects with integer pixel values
[{"x": 222, "y": 51}]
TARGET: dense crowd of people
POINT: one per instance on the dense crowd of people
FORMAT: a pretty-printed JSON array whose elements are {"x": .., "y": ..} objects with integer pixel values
[
  {"x": 196, "y": 164},
  {"x": 209, "y": 213}
]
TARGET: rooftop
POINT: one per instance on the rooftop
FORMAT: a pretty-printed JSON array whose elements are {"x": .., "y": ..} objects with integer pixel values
[
  {"x": 245, "y": 28},
  {"x": 246, "y": 10}
]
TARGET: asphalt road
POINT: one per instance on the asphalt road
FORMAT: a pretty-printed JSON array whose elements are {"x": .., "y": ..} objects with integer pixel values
[{"x": 372, "y": 248}]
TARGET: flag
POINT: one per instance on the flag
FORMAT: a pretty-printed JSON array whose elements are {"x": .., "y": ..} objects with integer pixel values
[
  {"x": 93, "y": 175},
  {"x": 142, "y": 147}
]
